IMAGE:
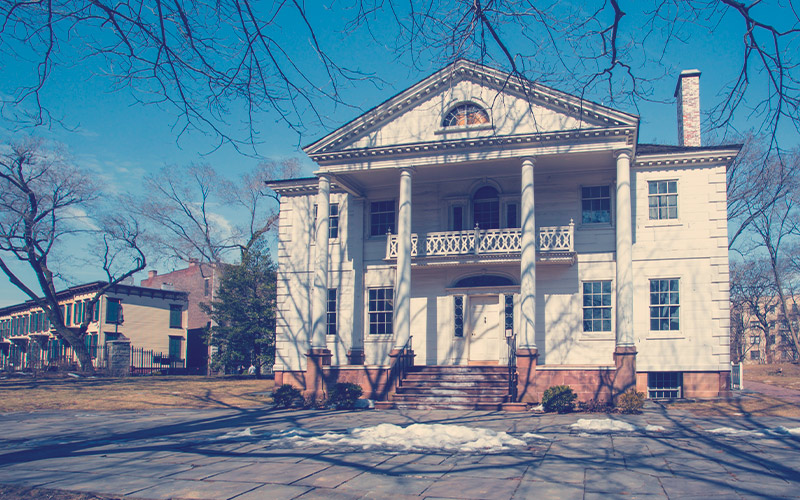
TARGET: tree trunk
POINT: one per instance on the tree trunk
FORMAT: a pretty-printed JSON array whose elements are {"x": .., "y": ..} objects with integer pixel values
[{"x": 76, "y": 341}]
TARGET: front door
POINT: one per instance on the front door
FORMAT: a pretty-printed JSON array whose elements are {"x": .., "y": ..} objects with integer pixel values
[{"x": 485, "y": 324}]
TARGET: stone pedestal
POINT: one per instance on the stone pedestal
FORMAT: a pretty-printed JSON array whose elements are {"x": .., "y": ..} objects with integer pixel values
[
  {"x": 355, "y": 357},
  {"x": 119, "y": 358},
  {"x": 315, "y": 376},
  {"x": 625, "y": 376},
  {"x": 526, "y": 373}
]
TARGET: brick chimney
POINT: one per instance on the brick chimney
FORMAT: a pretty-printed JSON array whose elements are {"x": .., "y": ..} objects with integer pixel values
[
  {"x": 151, "y": 274},
  {"x": 688, "y": 93}
]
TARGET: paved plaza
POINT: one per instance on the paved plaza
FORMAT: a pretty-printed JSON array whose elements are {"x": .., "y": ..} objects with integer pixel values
[{"x": 269, "y": 454}]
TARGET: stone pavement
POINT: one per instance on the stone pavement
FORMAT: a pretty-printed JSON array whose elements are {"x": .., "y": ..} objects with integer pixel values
[{"x": 179, "y": 454}]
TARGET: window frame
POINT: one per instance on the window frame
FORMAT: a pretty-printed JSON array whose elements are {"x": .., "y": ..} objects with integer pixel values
[
  {"x": 331, "y": 315},
  {"x": 333, "y": 228},
  {"x": 378, "y": 317},
  {"x": 658, "y": 207},
  {"x": 598, "y": 308},
  {"x": 669, "y": 304},
  {"x": 373, "y": 213},
  {"x": 470, "y": 108},
  {"x": 611, "y": 213},
  {"x": 116, "y": 320}
]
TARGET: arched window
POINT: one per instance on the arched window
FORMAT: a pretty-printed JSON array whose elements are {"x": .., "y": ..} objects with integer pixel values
[
  {"x": 483, "y": 280},
  {"x": 486, "y": 208},
  {"x": 464, "y": 115}
]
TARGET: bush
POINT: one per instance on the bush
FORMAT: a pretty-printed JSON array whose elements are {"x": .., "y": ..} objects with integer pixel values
[
  {"x": 631, "y": 401},
  {"x": 559, "y": 398},
  {"x": 343, "y": 396},
  {"x": 596, "y": 406},
  {"x": 286, "y": 396}
]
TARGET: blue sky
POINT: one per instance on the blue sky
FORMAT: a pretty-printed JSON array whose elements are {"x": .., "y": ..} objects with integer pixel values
[{"x": 122, "y": 141}]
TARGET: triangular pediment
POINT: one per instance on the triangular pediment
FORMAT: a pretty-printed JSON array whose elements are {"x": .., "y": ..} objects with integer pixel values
[{"x": 514, "y": 106}]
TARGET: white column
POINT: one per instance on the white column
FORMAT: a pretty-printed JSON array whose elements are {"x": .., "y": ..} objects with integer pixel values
[
  {"x": 402, "y": 287},
  {"x": 319, "y": 306},
  {"x": 624, "y": 250},
  {"x": 527, "y": 286}
]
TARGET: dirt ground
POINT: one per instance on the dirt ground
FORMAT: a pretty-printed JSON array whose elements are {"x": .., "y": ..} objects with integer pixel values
[
  {"x": 26, "y": 393},
  {"x": 8, "y": 492},
  {"x": 748, "y": 403}
]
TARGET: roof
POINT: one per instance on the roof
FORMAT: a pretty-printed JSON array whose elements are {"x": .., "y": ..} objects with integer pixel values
[
  {"x": 94, "y": 286},
  {"x": 660, "y": 149}
]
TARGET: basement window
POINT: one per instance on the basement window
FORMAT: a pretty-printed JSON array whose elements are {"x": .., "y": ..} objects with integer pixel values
[{"x": 664, "y": 385}]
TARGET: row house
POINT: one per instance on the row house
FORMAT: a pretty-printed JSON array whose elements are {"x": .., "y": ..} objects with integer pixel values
[
  {"x": 150, "y": 319},
  {"x": 478, "y": 222}
]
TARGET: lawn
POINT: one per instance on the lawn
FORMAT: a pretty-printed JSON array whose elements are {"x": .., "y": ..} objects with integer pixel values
[
  {"x": 26, "y": 393},
  {"x": 751, "y": 404}
]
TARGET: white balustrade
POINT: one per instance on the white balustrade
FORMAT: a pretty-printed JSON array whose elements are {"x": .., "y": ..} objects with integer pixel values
[{"x": 552, "y": 239}]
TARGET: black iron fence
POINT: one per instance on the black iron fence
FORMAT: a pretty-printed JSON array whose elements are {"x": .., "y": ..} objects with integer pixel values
[{"x": 33, "y": 355}]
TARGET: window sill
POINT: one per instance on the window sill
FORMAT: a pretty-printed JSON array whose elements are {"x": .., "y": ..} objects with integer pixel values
[
  {"x": 665, "y": 335},
  {"x": 593, "y": 337},
  {"x": 453, "y": 130},
  {"x": 663, "y": 223},
  {"x": 378, "y": 338},
  {"x": 594, "y": 226}
]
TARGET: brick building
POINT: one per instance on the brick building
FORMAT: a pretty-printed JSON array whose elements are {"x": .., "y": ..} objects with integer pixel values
[{"x": 200, "y": 281}]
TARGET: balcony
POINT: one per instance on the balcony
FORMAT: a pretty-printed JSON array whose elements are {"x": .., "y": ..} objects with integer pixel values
[{"x": 556, "y": 244}]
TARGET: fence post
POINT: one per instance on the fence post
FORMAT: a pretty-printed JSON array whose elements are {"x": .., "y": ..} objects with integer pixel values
[{"x": 119, "y": 358}]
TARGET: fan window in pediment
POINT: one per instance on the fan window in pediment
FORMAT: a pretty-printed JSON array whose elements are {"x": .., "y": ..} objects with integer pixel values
[{"x": 464, "y": 115}]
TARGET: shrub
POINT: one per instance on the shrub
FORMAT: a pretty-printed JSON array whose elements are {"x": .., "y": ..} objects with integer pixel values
[
  {"x": 631, "y": 401},
  {"x": 595, "y": 406},
  {"x": 343, "y": 396},
  {"x": 559, "y": 398},
  {"x": 286, "y": 396}
]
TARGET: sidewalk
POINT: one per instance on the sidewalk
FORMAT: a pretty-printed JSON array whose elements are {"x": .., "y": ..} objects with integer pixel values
[{"x": 287, "y": 454}]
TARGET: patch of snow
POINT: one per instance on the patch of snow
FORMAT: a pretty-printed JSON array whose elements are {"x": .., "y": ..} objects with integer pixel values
[
  {"x": 233, "y": 434},
  {"x": 766, "y": 432},
  {"x": 654, "y": 428},
  {"x": 603, "y": 425},
  {"x": 365, "y": 404},
  {"x": 415, "y": 437},
  {"x": 73, "y": 375},
  {"x": 538, "y": 408},
  {"x": 531, "y": 436}
]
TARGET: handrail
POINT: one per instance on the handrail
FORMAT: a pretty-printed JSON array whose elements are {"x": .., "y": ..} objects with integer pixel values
[
  {"x": 404, "y": 360},
  {"x": 512, "y": 368}
]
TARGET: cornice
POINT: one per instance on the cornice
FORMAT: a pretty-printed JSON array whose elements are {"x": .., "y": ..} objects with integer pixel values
[
  {"x": 473, "y": 143},
  {"x": 687, "y": 158}
]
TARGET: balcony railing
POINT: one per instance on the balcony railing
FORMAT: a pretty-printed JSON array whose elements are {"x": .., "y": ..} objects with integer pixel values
[{"x": 556, "y": 241}]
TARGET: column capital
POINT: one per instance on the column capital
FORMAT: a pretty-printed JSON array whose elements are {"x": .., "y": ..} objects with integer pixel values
[
  {"x": 623, "y": 152},
  {"x": 408, "y": 170},
  {"x": 324, "y": 176},
  {"x": 529, "y": 159}
]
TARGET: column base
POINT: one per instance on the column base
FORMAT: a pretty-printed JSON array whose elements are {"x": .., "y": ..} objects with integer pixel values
[
  {"x": 625, "y": 375},
  {"x": 355, "y": 357},
  {"x": 526, "y": 373},
  {"x": 315, "y": 376}
]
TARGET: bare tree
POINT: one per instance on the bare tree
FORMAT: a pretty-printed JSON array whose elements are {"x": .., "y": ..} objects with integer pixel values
[
  {"x": 753, "y": 304},
  {"x": 184, "y": 208},
  {"x": 774, "y": 234},
  {"x": 203, "y": 58},
  {"x": 44, "y": 201}
]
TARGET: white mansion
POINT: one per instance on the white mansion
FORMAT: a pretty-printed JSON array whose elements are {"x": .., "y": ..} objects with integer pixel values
[{"x": 480, "y": 220}]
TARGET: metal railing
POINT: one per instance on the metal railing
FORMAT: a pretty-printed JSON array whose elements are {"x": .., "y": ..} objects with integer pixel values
[{"x": 512, "y": 368}]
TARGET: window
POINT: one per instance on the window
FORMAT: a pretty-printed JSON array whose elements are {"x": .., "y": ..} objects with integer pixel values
[
  {"x": 663, "y": 199},
  {"x": 206, "y": 287},
  {"x": 333, "y": 220},
  {"x": 664, "y": 385},
  {"x": 597, "y": 306},
  {"x": 755, "y": 355},
  {"x": 79, "y": 312},
  {"x": 91, "y": 344},
  {"x": 381, "y": 307},
  {"x": 458, "y": 315},
  {"x": 330, "y": 326},
  {"x": 458, "y": 218},
  {"x": 509, "y": 314},
  {"x": 486, "y": 208},
  {"x": 755, "y": 339},
  {"x": 511, "y": 216},
  {"x": 175, "y": 316},
  {"x": 596, "y": 205},
  {"x": 464, "y": 115},
  {"x": 664, "y": 304},
  {"x": 113, "y": 309},
  {"x": 381, "y": 218},
  {"x": 175, "y": 348}
]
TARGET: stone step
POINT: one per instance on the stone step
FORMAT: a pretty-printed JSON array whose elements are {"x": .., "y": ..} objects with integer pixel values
[
  {"x": 436, "y": 391},
  {"x": 448, "y": 406},
  {"x": 455, "y": 384},
  {"x": 456, "y": 377},
  {"x": 460, "y": 369},
  {"x": 407, "y": 398}
]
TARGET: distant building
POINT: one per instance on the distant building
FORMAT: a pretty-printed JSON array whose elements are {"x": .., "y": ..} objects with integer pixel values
[
  {"x": 200, "y": 282},
  {"x": 769, "y": 341},
  {"x": 151, "y": 319}
]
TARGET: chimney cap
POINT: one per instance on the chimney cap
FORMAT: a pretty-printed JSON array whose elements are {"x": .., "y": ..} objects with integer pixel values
[{"x": 685, "y": 74}]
